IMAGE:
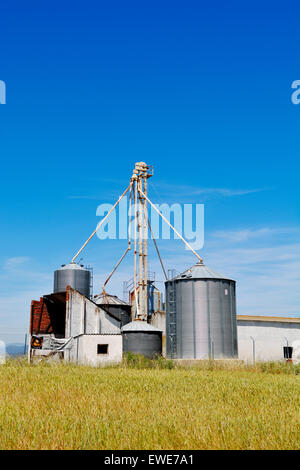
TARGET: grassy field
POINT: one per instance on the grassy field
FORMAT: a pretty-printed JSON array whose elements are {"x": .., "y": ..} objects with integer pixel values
[{"x": 144, "y": 407}]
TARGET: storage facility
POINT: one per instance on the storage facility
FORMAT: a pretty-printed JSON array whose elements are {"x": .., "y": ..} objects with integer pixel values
[
  {"x": 142, "y": 338},
  {"x": 198, "y": 320},
  {"x": 114, "y": 306},
  {"x": 70, "y": 326},
  {"x": 263, "y": 338},
  {"x": 74, "y": 275},
  {"x": 201, "y": 315}
]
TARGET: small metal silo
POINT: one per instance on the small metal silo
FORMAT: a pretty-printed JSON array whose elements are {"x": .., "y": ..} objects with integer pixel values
[
  {"x": 141, "y": 338},
  {"x": 154, "y": 299},
  {"x": 201, "y": 315},
  {"x": 114, "y": 306},
  {"x": 73, "y": 275}
]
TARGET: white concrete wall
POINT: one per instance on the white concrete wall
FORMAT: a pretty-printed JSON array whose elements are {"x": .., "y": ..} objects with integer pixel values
[
  {"x": 84, "y": 350},
  {"x": 85, "y": 317},
  {"x": 158, "y": 319},
  {"x": 269, "y": 337}
]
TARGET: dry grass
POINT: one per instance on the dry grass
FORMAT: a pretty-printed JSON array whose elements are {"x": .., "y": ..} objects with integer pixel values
[{"x": 74, "y": 407}]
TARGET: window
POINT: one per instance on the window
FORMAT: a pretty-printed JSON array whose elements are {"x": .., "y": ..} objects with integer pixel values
[{"x": 102, "y": 349}]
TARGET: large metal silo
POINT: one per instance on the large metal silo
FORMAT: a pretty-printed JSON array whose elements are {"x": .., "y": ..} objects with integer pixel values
[
  {"x": 201, "y": 315},
  {"x": 141, "y": 338},
  {"x": 73, "y": 275}
]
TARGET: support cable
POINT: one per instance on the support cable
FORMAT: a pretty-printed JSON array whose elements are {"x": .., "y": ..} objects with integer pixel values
[
  {"x": 173, "y": 228},
  {"x": 115, "y": 268},
  {"x": 102, "y": 221},
  {"x": 157, "y": 250},
  {"x": 128, "y": 248}
]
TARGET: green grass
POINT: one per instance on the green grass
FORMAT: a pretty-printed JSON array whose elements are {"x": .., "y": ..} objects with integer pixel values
[{"x": 149, "y": 405}]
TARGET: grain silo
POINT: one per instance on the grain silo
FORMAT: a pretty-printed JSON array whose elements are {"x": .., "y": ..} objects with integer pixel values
[
  {"x": 201, "y": 315},
  {"x": 141, "y": 338},
  {"x": 114, "y": 306},
  {"x": 73, "y": 275}
]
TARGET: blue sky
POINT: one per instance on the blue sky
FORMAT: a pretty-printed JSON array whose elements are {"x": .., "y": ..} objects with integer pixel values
[{"x": 200, "y": 90}]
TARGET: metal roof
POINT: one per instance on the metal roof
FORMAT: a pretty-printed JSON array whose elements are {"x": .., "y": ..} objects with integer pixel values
[
  {"x": 201, "y": 271},
  {"x": 99, "y": 334},
  {"x": 56, "y": 297},
  {"x": 107, "y": 299},
  {"x": 72, "y": 266},
  {"x": 139, "y": 325},
  {"x": 268, "y": 319}
]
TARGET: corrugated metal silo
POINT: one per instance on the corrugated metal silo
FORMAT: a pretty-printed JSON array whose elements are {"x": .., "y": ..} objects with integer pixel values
[
  {"x": 154, "y": 299},
  {"x": 201, "y": 315},
  {"x": 115, "y": 306},
  {"x": 73, "y": 275},
  {"x": 141, "y": 338}
]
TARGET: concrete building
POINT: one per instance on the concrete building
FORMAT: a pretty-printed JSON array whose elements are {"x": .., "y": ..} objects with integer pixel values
[
  {"x": 69, "y": 326},
  {"x": 262, "y": 338},
  {"x": 96, "y": 349}
]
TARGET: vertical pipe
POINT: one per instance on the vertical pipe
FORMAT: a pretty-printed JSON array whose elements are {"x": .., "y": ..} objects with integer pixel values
[
  {"x": 167, "y": 321},
  {"x": 77, "y": 348},
  {"x": 84, "y": 319},
  {"x": 236, "y": 351},
  {"x": 194, "y": 319},
  {"x": 253, "y": 349},
  {"x": 145, "y": 247},
  {"x": 135, "y": 247},
  {"x": 178, "y": 288},
  {"x": 208, "y": 320},
  {"x": 232, "y": 300},
  {"x": 70, "y": 318},
  {"x": 221, "y": 289},
  {"x": 25, "y": 343},
  {"x": 140, "y": 226}
]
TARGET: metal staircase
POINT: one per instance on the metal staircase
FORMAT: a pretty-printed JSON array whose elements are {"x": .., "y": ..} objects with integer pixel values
[{"x": 171, "y": 314}]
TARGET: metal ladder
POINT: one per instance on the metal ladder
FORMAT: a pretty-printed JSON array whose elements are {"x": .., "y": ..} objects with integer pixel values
[
  {"x": 172, "y": 318},
  {"x": 90, "y": 268}
]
